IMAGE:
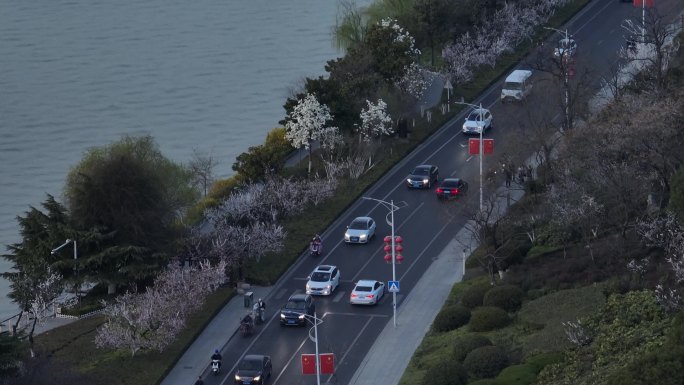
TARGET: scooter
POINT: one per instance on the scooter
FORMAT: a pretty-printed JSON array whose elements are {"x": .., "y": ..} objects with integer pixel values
[
  {"x": 316, "y": 248},
  {"x": 215, "y": 367}
]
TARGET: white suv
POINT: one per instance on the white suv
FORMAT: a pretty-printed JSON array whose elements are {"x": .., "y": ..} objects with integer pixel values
[{"x": 477, "y": 120}]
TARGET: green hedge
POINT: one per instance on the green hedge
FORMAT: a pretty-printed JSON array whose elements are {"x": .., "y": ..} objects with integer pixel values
[
  {"x": 467, "y": 343},
  {"x": 488, "y": 318},
  {"x": 446, "y": 372},
  {"x": 450, "y": 318},
  {"x": 474, "y": 296},
  {"x": 485, "y": 362},
  {"x": 507, "y": 297}
]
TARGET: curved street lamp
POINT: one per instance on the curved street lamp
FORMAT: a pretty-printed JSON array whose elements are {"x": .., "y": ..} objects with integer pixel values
[
  {"x": 56, "y": 249},
  {"x": 479, "y": 107},
  {"x": 315, "y": 321},
  {"x": 392, "y": 208}
]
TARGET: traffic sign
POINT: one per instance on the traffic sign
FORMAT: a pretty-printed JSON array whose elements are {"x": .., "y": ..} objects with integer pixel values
[{"x": 393, "y": 286}]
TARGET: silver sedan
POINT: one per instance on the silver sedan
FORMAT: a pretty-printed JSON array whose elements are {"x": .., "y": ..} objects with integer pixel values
[{"x": 361, "y": 230}]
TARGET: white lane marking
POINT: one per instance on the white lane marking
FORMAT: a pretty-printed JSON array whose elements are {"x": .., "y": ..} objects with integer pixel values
[
  {"x": 469, "y": 158},
  {"x": 339, "y": 296},
  {"x": 356, "y": 277},
  {"x": 280, "y": 293}
]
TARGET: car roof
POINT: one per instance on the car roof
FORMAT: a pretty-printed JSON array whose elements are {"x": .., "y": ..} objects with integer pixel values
[
  {"x": 477, "y": 111},
  {"x": 364, "y": 219},
  {"x": 518, "y": 76},
  {"x": 298, "y": 297},
  {"x": 324, "y": 268},
  {"x": 447, "y": 180},
  {"x": 254, "y": 357},
  {"x": 366, "y": 282},
  {"x": 424, "y": 166}
]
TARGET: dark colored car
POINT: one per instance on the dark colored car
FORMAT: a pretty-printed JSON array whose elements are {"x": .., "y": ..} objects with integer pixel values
[
  {"x": 423, "y": 176},
  {"x": 295, "y": 310},
  {"x": 452, "y": 188},
  {"x": 254, "y": 369}
]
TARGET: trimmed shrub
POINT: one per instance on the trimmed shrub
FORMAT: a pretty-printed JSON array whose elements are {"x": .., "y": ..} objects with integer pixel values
[
  {"x": 485, "y": 362},
  {"x": 541, "y": 360},
  {"x": 487, "y": 318},
  {"x": 517, "y": 375},
  {"x": 450, "y": 318},
  {"x": 467, "y": 343},
  {"x": 474, "y": 295},
  {"x": 446, "y": 372},
  {"x": 486, "y": 381},
  {"x": 507, "y": 297}
]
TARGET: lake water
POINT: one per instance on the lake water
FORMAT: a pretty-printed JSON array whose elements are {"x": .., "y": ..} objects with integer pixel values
[{"x": 203, "y": 74}]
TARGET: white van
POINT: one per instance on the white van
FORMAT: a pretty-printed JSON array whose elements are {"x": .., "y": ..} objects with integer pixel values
[{"x": 517, "y": 86}]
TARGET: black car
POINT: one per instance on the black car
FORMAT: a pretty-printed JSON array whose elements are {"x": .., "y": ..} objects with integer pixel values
[
  {"x": 423, "y": 176},
  {"x": 254, "y": 369},
  {"x": 452, "y": 188},
  {"x": 295, "y": 310}
]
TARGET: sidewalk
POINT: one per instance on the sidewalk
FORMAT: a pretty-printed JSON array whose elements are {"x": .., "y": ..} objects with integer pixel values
[{"x": 214, "y": 336}]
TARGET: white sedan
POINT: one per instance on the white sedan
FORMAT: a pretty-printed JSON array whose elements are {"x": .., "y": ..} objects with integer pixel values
[
  {"x": 367, "y": 292},
  {"x": 323, "y": 280},
  {"x": 361, "y": 230}
]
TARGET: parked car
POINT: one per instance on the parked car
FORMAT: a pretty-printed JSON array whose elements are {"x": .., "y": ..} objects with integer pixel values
[
  {"x": 567, "y": 47},
  {"x": 296, "y": 309},
  {"x": 367, "y": 292},
  {"x": 477, "y": 120},
  {"x": 323, "y": 280},
  {"x": 452, "y": 188},
  {"x": 423, "y": 176},
  {"x": 254, "y": 369},
  {"x": 360, "y": 230}
]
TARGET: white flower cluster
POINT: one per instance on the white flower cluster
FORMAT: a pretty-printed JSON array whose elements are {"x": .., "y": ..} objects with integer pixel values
[
  {"x": 415, "y": 80},
  {"x": 375, "y": 121},
  {"x": 151, "y": 320},
  {"x": 401, "y": 36},
  {"x": 577, "y": 333},
  {"x": 500, "y": 34},
  {"x": 307, "y": 122}
]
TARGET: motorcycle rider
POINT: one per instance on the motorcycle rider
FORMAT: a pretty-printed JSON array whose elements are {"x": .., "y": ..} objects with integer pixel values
[
  {"x": 316, "y": 244},
  {"x": 199, "y": 381},
  {"x": 216, "y": 357}
]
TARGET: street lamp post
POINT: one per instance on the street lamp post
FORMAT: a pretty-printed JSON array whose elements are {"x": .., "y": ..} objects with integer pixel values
[
  {"x": 56, "y": 249},
  {"x": 564, "y": 67},
  {"x": 315, "y": 323},
  {"x": 392, "y": 208},
  {"x": 481, "y": 143}
]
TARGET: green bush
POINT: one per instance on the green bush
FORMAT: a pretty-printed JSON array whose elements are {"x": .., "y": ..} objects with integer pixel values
[
  {"x": 446, "y": 372},
  {"x": 517, "y": 375},
  {"x": 487, "y": 318},
  {"x": 222, "y": 188},
  {"x": 485, "y": 362},
  {"x": 450, "y": 318},
  {"x": 486, "y": 381},
  {"x": 467, "y": 343},
  {"x": 507, "y": 297},
  {"x": 474, "y": 295},
  {"x": 541, "y": 360}
]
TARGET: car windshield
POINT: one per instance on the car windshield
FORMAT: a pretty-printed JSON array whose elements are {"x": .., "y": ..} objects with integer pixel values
[
  {"x": 421, "y": 171},
  {"x": 363, "y": 288},
  {"x": 295, "y": 305},
  {"x": 512, "y": 86},
  {"x": 250, "y": 365},
  {"x": 475, "y": 115},
  {"x": 320, "y": 277},
  {"x": 358, "y": 225},
  {"x": 450, "y": 183}
]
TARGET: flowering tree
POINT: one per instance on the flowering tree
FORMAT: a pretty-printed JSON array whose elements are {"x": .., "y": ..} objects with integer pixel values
[
  {"x": 375, "y": 121},
  {"x": 44, "y": 294},
  {"x": 306, "y": 123},
  {"x": 414, "y": 82},
  {"x": 152, "y": 320},
  {"x": 507, "y": 27}
]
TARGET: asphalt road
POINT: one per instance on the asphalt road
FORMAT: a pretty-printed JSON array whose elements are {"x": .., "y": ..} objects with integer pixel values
[{"x": 426, "y": 224}]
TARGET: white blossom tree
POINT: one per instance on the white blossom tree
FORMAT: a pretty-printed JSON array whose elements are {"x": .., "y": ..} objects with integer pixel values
[
  {"x": 375, "y": 122},
  {"x": 45, "y": 293},
  {"x": 306, "y": 123},
  {"x": 152, "y": 320}
]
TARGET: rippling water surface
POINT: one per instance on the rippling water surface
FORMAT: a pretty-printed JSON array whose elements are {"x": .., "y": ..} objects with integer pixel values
[{"x": 205, "y": 74}]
